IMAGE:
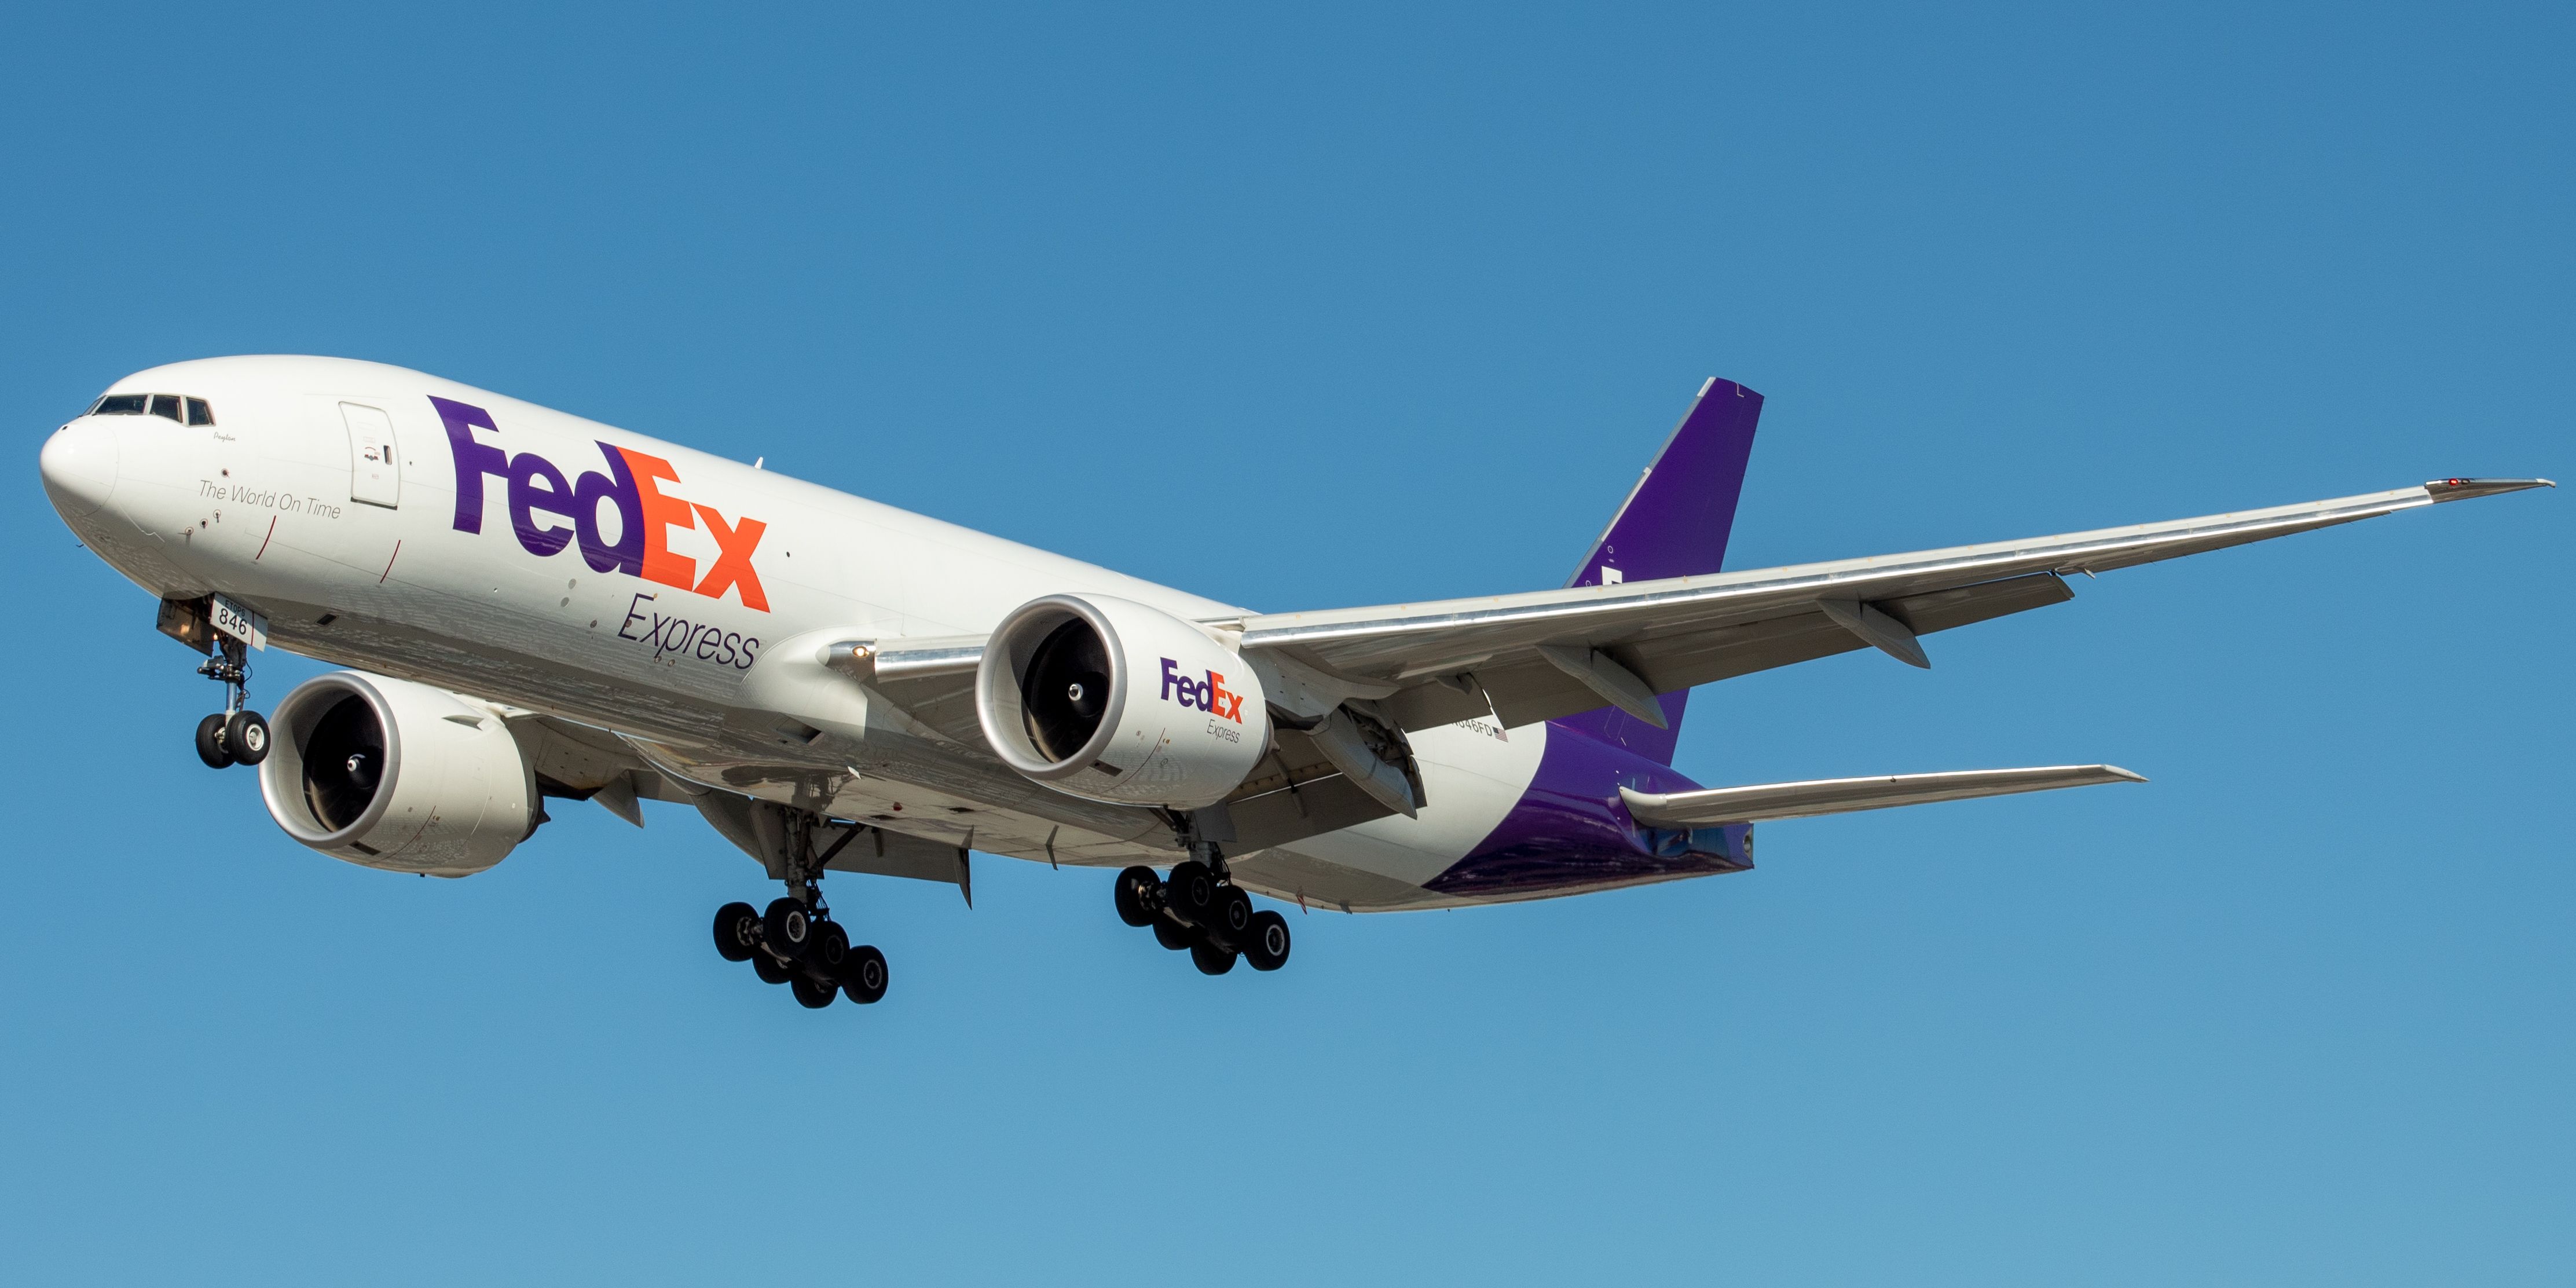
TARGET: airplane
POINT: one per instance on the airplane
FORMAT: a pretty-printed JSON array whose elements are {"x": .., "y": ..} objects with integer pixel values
[{"x": 536, "y": 607}]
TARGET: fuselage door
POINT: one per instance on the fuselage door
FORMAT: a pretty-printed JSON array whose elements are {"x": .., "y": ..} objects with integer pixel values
[{"x": 375, "y": 472}]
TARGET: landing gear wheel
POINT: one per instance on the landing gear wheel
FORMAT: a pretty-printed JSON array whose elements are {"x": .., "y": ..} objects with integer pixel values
[
  {"x": 1232, "y": 926},
  {"x": 863, "y": 974},
  {"x": 1139, "y": 890},
  {"x": 210, "y": 742},
  {"x": 246, "y": 737},
  {"x": 831, "y": 948},
  {"x": 1191, "y": 893},
  {"x": 1210, "y": 959},
  {"x": 810, "y": 995},
  {"x": 770, "y": 972},
  {"x": 1171, "y": 936},
  {"x": 737, "y": 932},
  {"x": 789, "y": 927},
  {"x": 1267, "y": 946}
]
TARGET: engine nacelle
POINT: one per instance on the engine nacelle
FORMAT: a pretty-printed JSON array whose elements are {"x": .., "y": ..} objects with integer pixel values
[
  {"x": 1111, "y": 700},
  {"x": 390, "y": 774}
]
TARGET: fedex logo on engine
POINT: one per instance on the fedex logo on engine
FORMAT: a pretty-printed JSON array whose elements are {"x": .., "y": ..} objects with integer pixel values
[
  {"x": 1206, "y": 695},
  {"x": 631, "y": 486}
]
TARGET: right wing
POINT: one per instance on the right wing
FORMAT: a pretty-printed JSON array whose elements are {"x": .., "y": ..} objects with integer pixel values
[
  {"x": 1546, "y": 654},
  {"x": 1771, "y": 802}
]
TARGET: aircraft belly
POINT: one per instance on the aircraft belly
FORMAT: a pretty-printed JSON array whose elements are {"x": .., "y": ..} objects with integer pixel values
[{"x": 1473, "y": 773}]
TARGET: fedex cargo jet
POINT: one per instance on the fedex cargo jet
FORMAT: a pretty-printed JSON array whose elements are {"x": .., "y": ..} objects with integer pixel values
[{"x": 534, "y": 606}]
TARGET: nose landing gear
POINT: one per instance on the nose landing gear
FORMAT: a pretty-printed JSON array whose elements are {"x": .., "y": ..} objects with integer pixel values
[
  {"x": 235, "y": 735},
  {"x": 795, "y": 941},
  {"x": 1198, "y": 909}
]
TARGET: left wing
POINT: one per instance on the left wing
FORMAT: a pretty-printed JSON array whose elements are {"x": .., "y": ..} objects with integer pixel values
[{"x": 1546, "y": 654}]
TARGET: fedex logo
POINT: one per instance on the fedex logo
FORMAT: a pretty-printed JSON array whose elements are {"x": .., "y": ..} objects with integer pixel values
[
  {"x": 537, "y": 491},
  {"x": 1206, "y": 695}
]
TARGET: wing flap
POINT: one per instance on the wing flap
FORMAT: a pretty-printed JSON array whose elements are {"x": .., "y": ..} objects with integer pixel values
[
  {"x": 1771, "y": 802},
  {"x": 893, "y": 854},
  {"x": 1519, "y": 691}
]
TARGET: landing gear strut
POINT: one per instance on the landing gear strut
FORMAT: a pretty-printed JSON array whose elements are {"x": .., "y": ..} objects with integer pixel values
[
  {"x": 235, "y": 735},
  {"x": 1199, "y": 909},
  {"x": 795, "y": 941}
]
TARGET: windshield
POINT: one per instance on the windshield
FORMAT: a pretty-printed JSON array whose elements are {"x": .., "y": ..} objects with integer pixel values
[{"x": 185, "y": 410}]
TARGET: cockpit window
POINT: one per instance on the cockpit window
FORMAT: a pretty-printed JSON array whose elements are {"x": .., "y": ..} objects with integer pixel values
[{"x": 189, "y": 411}]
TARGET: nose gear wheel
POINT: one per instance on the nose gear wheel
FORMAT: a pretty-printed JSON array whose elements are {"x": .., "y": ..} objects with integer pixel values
[{"x": 235, "y": 735}]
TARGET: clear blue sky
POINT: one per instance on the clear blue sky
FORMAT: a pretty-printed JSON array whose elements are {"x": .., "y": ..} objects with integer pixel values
[{"x": 1396, "y": 303}]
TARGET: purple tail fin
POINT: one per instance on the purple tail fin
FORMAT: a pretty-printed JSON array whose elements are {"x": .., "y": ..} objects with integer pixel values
[{"x": 1674, "y": 524}]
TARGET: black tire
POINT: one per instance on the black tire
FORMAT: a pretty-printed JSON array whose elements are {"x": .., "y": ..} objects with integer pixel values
[
  {"x": 788, "y": 927},
  {"x": 770, "y": 972},
  {"x": 737, "y": 932},
  {"x": 811, "y": 995},
  {"x": 1210, "y": 959},
  {"x": 831, "y": 949},
  {"x": 246, "y": 737},
  {"x": 210, "y": 743},
  {"x": 1137, "y": 893},
  {"x": 1267, "y": 947},
  {"x": 863, "y": 974},
  {"x": 1173, "y": 935},
  {"x": 1191, "y": 893},
  {"x": 1231, "y": 924}
]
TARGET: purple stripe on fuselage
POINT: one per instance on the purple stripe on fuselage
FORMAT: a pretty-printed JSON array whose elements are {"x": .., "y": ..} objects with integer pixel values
[{"x": 1570, "y": 829}]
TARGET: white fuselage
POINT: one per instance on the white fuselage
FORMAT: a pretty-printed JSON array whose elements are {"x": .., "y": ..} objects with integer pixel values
[{"x": 353, "y": 548}]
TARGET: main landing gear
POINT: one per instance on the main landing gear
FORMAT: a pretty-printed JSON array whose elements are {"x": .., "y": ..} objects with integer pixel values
[
  {"x": 235, "y": 735},
  {"x": 801, "y": 947},
  {"x": 795, "y": 941},
  {"x": 1200, "y": 909}
]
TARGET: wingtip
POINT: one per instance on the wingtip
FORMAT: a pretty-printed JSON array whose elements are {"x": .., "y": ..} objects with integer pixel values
[
  {"x": 2124, "y": 775},
  {"x": 2466, "y": 489}
]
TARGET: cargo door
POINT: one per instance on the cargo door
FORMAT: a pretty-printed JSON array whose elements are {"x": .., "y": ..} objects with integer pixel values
[{"x": 375, "y": 471}]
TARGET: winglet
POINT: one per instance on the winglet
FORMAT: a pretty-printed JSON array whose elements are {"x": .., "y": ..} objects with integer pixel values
[{"x": 2467, "y": 489}]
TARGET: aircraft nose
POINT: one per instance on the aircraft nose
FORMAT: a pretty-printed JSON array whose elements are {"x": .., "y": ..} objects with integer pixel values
[{"x": 79, "y": 464}]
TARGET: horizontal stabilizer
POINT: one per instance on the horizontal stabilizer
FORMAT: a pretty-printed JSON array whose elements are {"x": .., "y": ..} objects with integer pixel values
[{"x": 1769, "y": 802}]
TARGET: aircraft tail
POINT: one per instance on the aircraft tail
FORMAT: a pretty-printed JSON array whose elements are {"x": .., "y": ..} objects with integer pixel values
[{"x": 1673, "y": 524}]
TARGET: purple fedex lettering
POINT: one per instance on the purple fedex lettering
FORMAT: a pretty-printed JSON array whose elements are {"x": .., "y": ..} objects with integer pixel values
[
  {"x": 1206, "y": 694},
  {"x": 616, "y": 487},
  {"x": 536, "y": 487},
  {"x": 474, "y": 458}
]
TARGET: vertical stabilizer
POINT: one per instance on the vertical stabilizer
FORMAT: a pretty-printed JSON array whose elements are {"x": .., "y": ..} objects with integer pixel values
[{"x": 1674, "y": 524}]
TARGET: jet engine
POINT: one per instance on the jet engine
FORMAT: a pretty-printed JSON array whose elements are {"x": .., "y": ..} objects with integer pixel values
[
  {"x": 390, "y": 774},
  {"x": 1111, "y": 700}
]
